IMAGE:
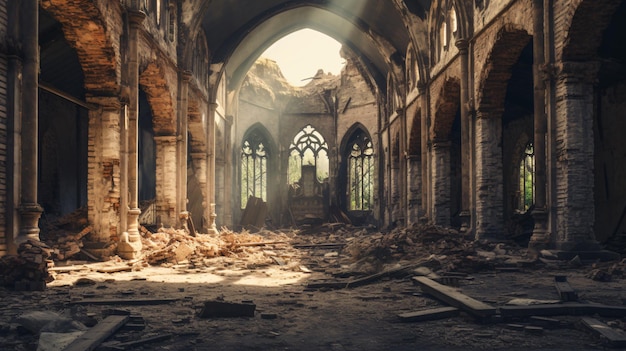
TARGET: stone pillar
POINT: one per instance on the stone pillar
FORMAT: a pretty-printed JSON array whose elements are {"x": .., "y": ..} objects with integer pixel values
[
  {"x": 130, "y": 246},
  {"x": 181, "y": 170},
  {"x": 105, "y": 174},
  {"x": 466, "y": 161},
  {"x": 414, "y": 177},
  {"x": 425, "y": 127},
  {"x": 575, "y": 156},
  {"x": 227, "y": 215},
  {"x": 489, "y": 191},
  {"x": 440, "y": 186},
  {"x": 541, "y": 234},
  {"x": 14, "y": 142},
  {"x": 199, "y": 160},
  {"x": 29, "y": 210},
  {"x": 212, "y": 228},
  {"x": 167, "y": 165}
]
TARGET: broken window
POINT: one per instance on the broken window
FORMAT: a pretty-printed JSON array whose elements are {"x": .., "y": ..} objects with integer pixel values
[
  {"x": 308, "y": 149},
  {"x": 361, "y": 172},
  {"x": 253, "y": 168},
  {"x": 527, "y": 179}
]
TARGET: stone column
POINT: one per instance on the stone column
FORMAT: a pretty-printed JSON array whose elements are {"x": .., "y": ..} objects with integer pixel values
[
  {"x": 212, "y": 228},
  {"x": 227, "y": 215},
  {"x": 130, "y": 246},
  {"x": 414, "y": 177},
  {"x": 425, "y": 127},
  {"x": 440, "y": 186},
  {"x": 105, "y": 174},
  {"x": 167, "y": 164},
  {"x": 489, "y": 191},
  {"x": 181, "y": 170},
  {"x": 466, "y": 161},
  {"x": 199, "y": 160},
  {"x": 29, "y": 210},
  {"x": 541, "y": 234},
  {"x": 575, "y": 156}
]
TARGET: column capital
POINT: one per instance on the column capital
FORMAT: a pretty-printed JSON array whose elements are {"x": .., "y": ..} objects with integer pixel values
[
  {"x": 185, "y": 75},
  {"x": 585, "y": 72},
  {"x": 462, "y": 44},
  {"x": 165, "y": 139},
  {"x": 136, "y": 17}
]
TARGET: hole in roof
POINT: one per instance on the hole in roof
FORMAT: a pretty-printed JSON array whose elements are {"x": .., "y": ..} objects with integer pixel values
[{"x": 302, "y": 53}]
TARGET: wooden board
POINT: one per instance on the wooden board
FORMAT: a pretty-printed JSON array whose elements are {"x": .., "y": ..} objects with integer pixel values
[
  {"x": 123, "y": 302},
  {"x": 96, "y": 335},
  {"x": 562, "y": 309},
  {"x": 565, "y": 291},
  {"x": 454, "y": 298},
  {"x": 429, "y": 315},
  {"x": 610, "y": 336}
]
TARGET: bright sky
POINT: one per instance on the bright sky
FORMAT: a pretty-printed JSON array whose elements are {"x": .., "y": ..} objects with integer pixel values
[{"x": 300, "y": 54}]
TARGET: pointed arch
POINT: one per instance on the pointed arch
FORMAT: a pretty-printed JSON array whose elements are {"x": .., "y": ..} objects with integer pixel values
[
  {"x": 86, "y": 29},
  {"x": 446, "y": 109},
  {"x": 510, "y": 42},
  {"x": 257, "y": 164},
  {"x": 155, "y": 84}
]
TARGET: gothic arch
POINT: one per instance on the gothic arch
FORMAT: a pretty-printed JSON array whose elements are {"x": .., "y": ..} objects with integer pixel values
[
  {"x": 494, "y": 78},
  {"x": 586, "y": 21},
  {"x": 446, "y": 109},
  {"x": 155, "y": 84},
  {"x": 85, "y": 28}
]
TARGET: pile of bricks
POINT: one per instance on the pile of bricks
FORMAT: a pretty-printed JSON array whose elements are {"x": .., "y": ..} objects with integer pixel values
[{"x": 28, "y": 271}]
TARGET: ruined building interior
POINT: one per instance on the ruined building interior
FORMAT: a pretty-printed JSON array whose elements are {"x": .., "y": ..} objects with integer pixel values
[{"x": 466, "y": 148}]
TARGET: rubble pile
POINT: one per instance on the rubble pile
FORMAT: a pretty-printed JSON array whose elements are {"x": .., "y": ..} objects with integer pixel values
[
  {"x": 65, "y": 235},
  {"x": 170, "y": 245},
  {"x": 442, "y": 248},
  {"x": 28, "y": 270}
]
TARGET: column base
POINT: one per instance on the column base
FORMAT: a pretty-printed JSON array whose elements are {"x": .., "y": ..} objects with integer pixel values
[
  {"x": 466, "y": 228},
  {"x": 29, "y": 223},
  {"x": 128, "y": 250},
  {"x": 212, "y": 226},
  {"x": 540, "y": 239},
  {"x": 602, "y": 255}
]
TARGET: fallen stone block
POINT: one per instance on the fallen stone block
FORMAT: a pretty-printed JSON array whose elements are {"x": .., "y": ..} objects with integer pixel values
[{"x": 213, "y": 309}]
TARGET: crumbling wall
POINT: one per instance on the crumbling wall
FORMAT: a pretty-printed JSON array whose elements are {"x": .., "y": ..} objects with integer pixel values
[{"x": 4, "y": 179}]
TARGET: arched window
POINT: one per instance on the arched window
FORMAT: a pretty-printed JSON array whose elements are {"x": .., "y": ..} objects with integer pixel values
[
  {"x": 527, "y": 179},
  {"x": 253, "y": 168},
  {"x": 171, "y": 30},
  {"x": 158, "y": 12},
  {"x": 308, "y": 148},
  {"x": 360, "y": 172}
]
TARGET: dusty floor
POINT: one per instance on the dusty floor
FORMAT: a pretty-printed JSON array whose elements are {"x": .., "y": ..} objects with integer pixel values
[{"x": 359, "y": 318}]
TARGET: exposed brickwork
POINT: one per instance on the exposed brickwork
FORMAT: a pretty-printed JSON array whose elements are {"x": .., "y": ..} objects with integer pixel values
[
  {"x": 159, "y": 90},
  {"x": 446, "y": 109},
  {"x": 580, "y": 24},
  {"x": 103, "y": 173},
  {"x": 93, "y": 29},
  {"x": 440, "y": 185},
  {"x": 4, "y": 178},
  {"x": 574, "y": 153},
  {"x": 166, "y": 166}
]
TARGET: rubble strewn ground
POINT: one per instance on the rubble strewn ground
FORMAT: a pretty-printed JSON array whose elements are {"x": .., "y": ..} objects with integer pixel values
[{"x": 291, "y": 276}]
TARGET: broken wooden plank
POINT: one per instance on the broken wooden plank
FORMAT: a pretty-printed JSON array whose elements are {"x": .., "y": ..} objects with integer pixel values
[
  {"x": 454, "y": 298},
  {"x": 561, "y": 309},
  {"x": 96, "y": 335},
  {"x": 327, "y": 285},
  {"x": 374, "y": 277},
  {"x": 429, "y": 315},
  {"x": 608, "y": 335},
  {"x": 124, "y": 301},
  {"x": 319, "y": 246},
  {"x": 115, "y": 269},
  {"x": 143, "y": 341},
  {"x": 566, "y": 292},
  {"x": 227, "y": 309}
]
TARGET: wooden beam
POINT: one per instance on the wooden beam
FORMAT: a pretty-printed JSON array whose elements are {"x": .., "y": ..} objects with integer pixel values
[
  {"x": 566, "y": 292},
  {"x": 454, "y": 298},
  {"x": 96, "y": 335},
  {"x": 429, "y": 315},
  {"x": 123, "y": 302},
  {"x": 608, "y": 335},
  {"x": 561, "y": 309}
]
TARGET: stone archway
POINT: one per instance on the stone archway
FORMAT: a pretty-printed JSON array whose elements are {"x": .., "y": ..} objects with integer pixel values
[{"x": 491, "y": 95}]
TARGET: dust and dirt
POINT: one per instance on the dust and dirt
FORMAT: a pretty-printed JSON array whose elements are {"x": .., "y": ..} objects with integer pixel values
[{"x": 303, "y": 284}]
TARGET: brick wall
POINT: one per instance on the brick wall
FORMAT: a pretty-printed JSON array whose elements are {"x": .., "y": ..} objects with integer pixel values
[{"x": 3, "y": 129}]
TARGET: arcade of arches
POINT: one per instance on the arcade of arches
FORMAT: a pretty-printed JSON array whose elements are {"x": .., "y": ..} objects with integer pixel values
[{"x": 502, "y": 119}]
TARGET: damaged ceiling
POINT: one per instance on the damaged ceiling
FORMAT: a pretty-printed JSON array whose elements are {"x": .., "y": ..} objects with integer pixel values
[{"x": 238, "y": 33}]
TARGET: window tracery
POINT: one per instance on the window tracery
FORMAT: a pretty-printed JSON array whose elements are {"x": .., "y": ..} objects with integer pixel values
[{"x": 308, "y": 148}]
